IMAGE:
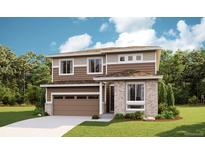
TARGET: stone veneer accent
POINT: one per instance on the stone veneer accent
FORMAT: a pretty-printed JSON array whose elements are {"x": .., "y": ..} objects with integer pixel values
[
  {"x": 151, "y": 97},
  {"x": 49, "y": 108},
  {"x": 120, "y": 97}
]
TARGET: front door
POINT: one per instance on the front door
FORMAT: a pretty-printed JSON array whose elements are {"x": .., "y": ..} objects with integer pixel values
[{"x": 112, "y": 93}]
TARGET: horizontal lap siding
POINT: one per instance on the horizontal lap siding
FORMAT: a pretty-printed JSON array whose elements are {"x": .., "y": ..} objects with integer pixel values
[
  {"x": 80, "y": 73},
  {"x": 70, "y": 89},
  {"x": 144, "y": 67}
]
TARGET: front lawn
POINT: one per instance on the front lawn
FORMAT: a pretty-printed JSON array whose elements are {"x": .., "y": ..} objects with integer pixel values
[
  {"x": 192, "y": 124},
  {"x": 9, "y": 115}
]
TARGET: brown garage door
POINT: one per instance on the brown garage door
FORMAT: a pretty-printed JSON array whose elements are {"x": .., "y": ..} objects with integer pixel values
[{"x": 76, "y": 105}]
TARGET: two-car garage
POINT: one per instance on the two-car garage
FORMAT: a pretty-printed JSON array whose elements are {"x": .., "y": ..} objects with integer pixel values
[
  {"x": 75, "y": 105},
  {"x": 74, "y": 101}
]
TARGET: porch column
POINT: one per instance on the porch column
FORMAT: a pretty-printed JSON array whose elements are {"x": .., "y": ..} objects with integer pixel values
[{"x": 101, "y": 99}]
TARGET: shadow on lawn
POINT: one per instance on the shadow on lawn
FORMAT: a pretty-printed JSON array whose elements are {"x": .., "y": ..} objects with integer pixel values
[
  {"x": 103, "y": 124},
  {"x": 11, "y": 117},
  {"x": 194, "y": 130}
]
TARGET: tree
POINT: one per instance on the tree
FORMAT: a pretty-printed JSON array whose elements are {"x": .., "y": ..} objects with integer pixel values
[
  {"x": 162, "y": 92},
  {"x": 170, "y": 95},
  {"x": 20, "y": 77}
]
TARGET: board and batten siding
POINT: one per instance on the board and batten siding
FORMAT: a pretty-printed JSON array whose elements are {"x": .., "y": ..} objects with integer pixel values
[{"x": 70, "y": 89}]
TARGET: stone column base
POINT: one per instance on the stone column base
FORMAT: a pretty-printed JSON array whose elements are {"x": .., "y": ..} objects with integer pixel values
[{"x": 49, "y": 108}]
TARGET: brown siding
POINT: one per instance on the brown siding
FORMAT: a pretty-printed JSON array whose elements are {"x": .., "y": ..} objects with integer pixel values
[
  {"x": 70, "y": 89},
  {"x": 76, "y": 107},
  {"x": 145, "y": 67},
  {"x": 80, "y": 73}
]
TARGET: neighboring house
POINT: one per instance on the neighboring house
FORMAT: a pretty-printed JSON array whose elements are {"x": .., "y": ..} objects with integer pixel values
[{"x": 107, "y": 80}]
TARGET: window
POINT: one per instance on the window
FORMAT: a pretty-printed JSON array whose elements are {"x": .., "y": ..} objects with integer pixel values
[
  {"x": 122, "y": 58},
  {"x": 93, "y": 97},
  {"x": 66, "y": 67},
  {"x": 135, "y": 96},
  {"x": 130, "y": 58},
  {"x": 81, "y": 97},
  {"x": 95, "y": 66},
  {"x": 135, "y": 106},
  {"x": 69, "y": 97},
  {"x": 139, "y": 57},
  {"x": 58, "y": 97}
]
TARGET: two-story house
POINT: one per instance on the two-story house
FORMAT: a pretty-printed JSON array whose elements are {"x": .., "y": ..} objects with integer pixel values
[{"x": 107, "y": 80}]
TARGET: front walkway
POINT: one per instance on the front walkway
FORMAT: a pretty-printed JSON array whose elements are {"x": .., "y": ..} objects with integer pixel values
[{"x": 50, "y": 126}]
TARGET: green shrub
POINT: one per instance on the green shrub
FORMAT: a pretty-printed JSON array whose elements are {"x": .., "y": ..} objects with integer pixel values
[
  {"x": 46, "y": 114},
  {"x": 139, "y": 115},
  {"x": 193, "y": 100},
  {"x": 159, "y": 116},
  {"x": 162, "y": 107},
  {"x": 119, "y": 116},
  {"x": 170, "y": 95},
  {"x": 95, "y": 116},
  {"x": 130, "y": 116},
  {"x": 38, "y": 111},
  {"x": 168, "y": 115},
  {"x": 174, "y": 110}
]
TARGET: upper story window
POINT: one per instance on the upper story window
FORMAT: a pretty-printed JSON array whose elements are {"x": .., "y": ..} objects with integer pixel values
[
  {"x": 122, "y": 58},
  {"x": 130, "y": 58},
  {"x": 139, "y": 57},
  {"x": 66, "y": 67},
  {"x": 95, "y": 66}
]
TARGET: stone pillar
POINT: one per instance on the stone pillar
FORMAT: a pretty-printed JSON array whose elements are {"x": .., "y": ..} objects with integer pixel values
[
  {"x": 151, "y": 98},
  {"x": 120, "y": 97},
  {"x": 49, "y": 108}
]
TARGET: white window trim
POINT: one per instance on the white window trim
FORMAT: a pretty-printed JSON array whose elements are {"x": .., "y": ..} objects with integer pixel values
[
  {"x": 101, "y": 65},
  {"x": 134, "y": 58},
  {"x": 60, "y": 66},
  {"x": 119, "y": 58},
  {"x": 135, "y": 102}
]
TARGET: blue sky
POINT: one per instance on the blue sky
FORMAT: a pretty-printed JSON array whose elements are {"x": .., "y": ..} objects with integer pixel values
[{"x": 53, "y": 35}]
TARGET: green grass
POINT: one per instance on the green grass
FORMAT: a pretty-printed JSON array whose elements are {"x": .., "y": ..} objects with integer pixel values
[
  {"x": 192, "y": 124},
  {"x": 10, "y": 115}
]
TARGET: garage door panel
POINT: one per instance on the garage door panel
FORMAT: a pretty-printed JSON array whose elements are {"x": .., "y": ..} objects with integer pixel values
[
  {"x": 75, "y": 107},
  {"x": 77, "y": 103},
  {"x": 76, "y": 113}
]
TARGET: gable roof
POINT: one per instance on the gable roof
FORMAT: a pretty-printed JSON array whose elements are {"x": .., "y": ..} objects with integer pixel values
[{"x": 100, "y": 51}]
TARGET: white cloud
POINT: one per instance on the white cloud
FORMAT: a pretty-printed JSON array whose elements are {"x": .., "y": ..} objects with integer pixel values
[
  {"x": 132, "y": 24},
  {"x": 140, "y": 31},
  {"x": 170, "y": 32},
  {"x": 77, "y": 42},
  {"x": 103, "y": 27},
  {"x": 104, "y": 45}
]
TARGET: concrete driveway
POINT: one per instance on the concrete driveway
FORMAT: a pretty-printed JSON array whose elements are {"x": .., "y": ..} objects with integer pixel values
[{"x": 49, "y": 126}]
